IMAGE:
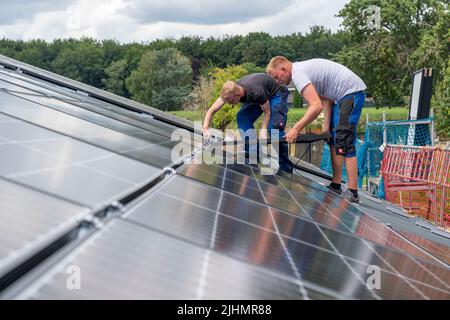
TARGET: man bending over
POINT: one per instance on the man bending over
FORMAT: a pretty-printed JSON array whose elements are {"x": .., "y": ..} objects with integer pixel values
[
  {"x": 258, "y": 93},
  {"x": 333, "y": 88}
]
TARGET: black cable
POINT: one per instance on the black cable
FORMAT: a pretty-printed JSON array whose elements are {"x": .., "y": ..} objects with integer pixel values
[
  {"x": 304, "y": 153},
  {"x": 296, "y": 164}
]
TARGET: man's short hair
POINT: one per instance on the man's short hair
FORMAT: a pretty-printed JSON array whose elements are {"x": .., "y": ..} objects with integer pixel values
[
  {"x": 229, "y": 89},
  {"x": 275, "y": 62}
]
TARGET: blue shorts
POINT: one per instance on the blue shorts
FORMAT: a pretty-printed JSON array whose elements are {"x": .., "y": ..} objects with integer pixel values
[{"x": 345, "y": 115}]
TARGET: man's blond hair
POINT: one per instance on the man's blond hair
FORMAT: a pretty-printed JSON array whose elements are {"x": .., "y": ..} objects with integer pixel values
[
  {"x": 229, "y": 89},
  {"x": 275, "y": 62}
]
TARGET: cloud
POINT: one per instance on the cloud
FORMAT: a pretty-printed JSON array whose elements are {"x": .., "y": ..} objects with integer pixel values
[
  {"x": 14, "y": 10},
  {"x": 82, "y": 18},
  {"x": 298, "y": 17},
  {"x": 203, "y": 12},
  {"x": 129, "y": 21}
]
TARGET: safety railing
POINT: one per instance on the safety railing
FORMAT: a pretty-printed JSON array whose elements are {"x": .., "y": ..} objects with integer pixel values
[{"x": 418, "y": 179}]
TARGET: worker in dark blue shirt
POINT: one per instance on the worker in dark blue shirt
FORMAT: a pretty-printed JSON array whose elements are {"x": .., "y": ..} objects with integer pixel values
[{"x": 258, "y": 93}]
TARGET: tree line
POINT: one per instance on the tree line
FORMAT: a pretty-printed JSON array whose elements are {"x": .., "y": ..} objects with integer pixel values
[
  {"x": 107, "y": 64},
  {"x": 171, "y": 73}
]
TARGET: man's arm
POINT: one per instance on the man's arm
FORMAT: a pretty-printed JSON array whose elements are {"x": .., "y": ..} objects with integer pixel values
[
  {"x": 313, "y": 111},
  {"x": 209, "y": 115},
  {"x": 265, "y": 122}
]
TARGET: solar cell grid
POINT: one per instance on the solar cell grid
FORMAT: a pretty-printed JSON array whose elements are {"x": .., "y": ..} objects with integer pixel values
[
  {"x": 152, "y": 153},
  {"x": 202, "y": 232},
  {"x": 70, "y": 102},
  {"x": 304, "y": 202},
  {"x": 36, "y": 157},
  {"x": 30, "y": 220}
]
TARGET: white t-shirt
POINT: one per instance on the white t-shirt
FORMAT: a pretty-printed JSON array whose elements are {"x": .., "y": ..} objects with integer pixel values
[{"x": 331, "y": 80}]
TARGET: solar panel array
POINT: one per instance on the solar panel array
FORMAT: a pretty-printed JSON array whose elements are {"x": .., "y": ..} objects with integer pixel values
[{"x": 86, "y": 182}]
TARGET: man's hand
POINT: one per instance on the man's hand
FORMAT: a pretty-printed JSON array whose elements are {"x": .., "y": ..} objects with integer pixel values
[
  {"x": 292, "y": 134},
  {"x": 263, "y": 134},
  {"x": 206, "y": 135},
  {"x": 265, "y": 123}
]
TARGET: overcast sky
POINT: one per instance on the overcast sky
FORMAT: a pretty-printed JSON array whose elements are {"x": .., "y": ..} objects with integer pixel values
[{"x": 141, "y": 20}]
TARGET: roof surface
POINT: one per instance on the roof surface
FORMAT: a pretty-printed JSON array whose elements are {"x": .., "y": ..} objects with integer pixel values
[{"x": 89, "y": 186}]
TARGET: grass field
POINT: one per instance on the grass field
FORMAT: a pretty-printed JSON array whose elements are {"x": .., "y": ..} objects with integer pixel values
[{"x": 295, "y": 114}]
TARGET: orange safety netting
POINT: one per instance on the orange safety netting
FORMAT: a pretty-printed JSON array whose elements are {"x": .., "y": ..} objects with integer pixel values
[{"x": 418, "y": 179}]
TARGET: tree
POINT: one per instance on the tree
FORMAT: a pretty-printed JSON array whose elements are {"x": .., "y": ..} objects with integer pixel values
[
  {"x": 162, "y": 79},
  {"x": 83, "y": 62},
  {"x": 113, "y": 51},
  {"x": 191, "y": 47},
  {"x": 116, "y": 74},
  {"x": 384, "y": 57},
  {"x": 434, "y": 51},
  {"x": 217, "y": 51},
  {"x": 119, "y": 70},
  {"x": 321, "y": 43},
  {"x": 36, "y": 53},
  {"x": 256, "y": 47},
  {"x": 161, "y": 44},
  {"x": 11, "y": 48},
  {"x": 441, "y": 103}
]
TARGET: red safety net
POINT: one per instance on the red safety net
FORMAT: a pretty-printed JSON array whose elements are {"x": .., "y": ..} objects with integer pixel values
[{"x": 418, "y": 179}]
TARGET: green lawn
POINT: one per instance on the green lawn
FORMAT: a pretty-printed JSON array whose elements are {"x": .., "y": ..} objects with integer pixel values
[
  {"x": 189, "y": 115},
  {"x": 295, "y": 114},
  {"x": 374, "y": 114}
]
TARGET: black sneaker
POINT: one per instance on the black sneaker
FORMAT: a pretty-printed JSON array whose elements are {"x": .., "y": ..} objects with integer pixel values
[
  {"x": 351, "y": 197},
  {"x": 335, "y": 191}
]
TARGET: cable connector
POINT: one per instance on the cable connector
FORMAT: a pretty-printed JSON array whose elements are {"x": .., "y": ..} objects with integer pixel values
[{"x": 169, "y": 170}]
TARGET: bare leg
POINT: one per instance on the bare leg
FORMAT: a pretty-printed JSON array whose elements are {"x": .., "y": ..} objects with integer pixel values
[
  {"x": 326, "y": 115},
  {"x": 352, "y": 172},
  {"x": 336, "y": 162}
]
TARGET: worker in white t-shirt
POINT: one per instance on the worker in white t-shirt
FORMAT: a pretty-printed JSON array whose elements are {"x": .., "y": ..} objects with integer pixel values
[{"x": 334, "y": 89}]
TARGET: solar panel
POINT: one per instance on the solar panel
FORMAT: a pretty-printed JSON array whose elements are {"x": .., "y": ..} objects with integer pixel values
[
  {"x": 308, "y": 201},
  {"x": 161, "y": 267},
  {"x": 433, "y": 247},
  {"x": 30, "y": 220},
  {"x": 183, "y": 220},
  {"x": 36, "y": 75},
  {"x": 200, "y": 232},
  {"x": 88, "y": 112},
  {"x": 85, "y": 131},
  {"x": 36, "y": 157},
  {"x": 356, "y": 249},
  {"x": 251, "y": 244}
]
